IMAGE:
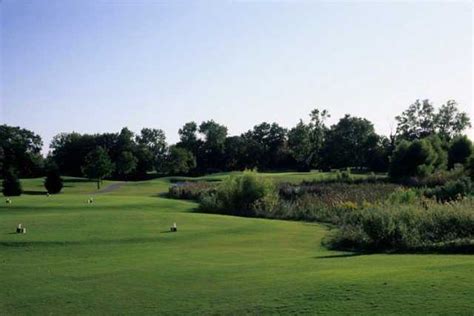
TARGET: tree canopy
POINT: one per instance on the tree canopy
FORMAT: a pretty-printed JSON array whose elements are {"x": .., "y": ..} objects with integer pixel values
[
  {"x": 421, "y": 120},
  {"x": 351, "y": 142},
  {"x": 20, "y": 150},
  {"x": 97, "y": 165}
]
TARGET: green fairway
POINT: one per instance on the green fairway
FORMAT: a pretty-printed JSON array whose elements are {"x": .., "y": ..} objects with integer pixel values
[
  {"x": 277, "y": 176},
  {"x": 116, "y": 256}
]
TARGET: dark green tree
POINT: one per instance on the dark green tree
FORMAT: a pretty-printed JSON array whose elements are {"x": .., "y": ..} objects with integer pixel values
[
  {"x": 179, "y": 161},
  {"x": 300, "y": 147},
  {"x": 97, "y": 165},
  {"x": 21, "y": 151},
  {"x": 349, "y": 143},
  {"x": 378, "y": 156},
  {"x": 152, "y": 143},
  {"x": 188, "y": 138},
  {"x": 236, "y": 153},
  {"x": 126, "y": 164},
  {"x": 318, "y": 133},
  {"x": 417, "y": 121},
  {"x": 305, "y": 141},
  {"x": 440, "y": 147},
  {"x": 412, "y": 159},
  {"x": 266, "y": 144},
  {"x": 125, "y": 140},
  {"x": 154, "y": 140},
  {"x": 145, "y": 161},
  {"x": 11, "y": 184},
  {"x": 421, "y": 120},
  {"x": 211, "y": 152},
  {"x": 70, "y": 149},
  {"x": 460, "y": 149},
  {"x": 451, "y": 122},
  {"x": 53, "y": 182}
]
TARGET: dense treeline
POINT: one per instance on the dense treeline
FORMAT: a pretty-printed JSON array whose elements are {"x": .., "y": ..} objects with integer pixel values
[{"x": 426, "y": 141}]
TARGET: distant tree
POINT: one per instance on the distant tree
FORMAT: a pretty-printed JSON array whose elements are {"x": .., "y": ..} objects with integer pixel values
[
  {"x": 421, "y": 120},
  {"x": 252, "y": 151},
  {"x": 236, "y": 153},
  {"x": 417, "y": 121},
  {"x": 145, "y": 161},
  {"x": 214, "y": 133},
  {"x": 211, "y": 152},
  {"x": 21, "y": 150},
  {"x": 53, "y": 182},
  {"x": 266, "y": 145},
  {"x": 300, "y": 147},
  {"x": 349, "y": 142},
  {"x": 378, "y": 156},
  {"x": 97, "y": 165},
  {"x": 179, "y": 161},
  {"x": 126, "y": 164},
  {"x": 460, "y": 149},
  {"x": 154, "y": 140},
  {"x": 411, "y": 159},
  {"x": 70, "y": 149},
  {"x": 305, "y": 141},
  {"x": 125, "y": 139},
  {"x": 318, "y": 131},
  {"x": 188, "y": 138},
  {"x": 11, "y": 185},
  {"x": 152, "y": 143},
  {"x": 450, "y": 122}
]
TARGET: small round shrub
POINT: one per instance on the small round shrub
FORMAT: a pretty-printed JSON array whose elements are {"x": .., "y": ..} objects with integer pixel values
[
  {"x": 242, "y": 195},
  {"x": 53, "y": 182},
  {"x": 11, "y": 184}
]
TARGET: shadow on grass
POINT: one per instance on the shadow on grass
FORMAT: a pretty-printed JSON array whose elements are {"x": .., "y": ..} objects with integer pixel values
[
  {"x": 21, "y": 244},
  {"x": 344, "y": 255},
  {"x": 427, "y": 250},
  {"x": 77, "y": 180},
  {"x": 29, "y": 192},
  {"x": 180, "y": 181}
]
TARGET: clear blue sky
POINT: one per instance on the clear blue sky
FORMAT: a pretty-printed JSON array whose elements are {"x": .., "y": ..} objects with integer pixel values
[{"x": 96, "y": 66}]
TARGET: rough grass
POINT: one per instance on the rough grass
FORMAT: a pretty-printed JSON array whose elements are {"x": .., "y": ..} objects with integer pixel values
[
  {"x": 115, "y": 256},
  {"x": 289, "y": 177}
]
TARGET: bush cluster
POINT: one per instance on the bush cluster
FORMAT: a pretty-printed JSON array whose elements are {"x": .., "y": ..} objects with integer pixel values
[
  {"x": 244, "y": 195},
  {"x": 190, "y": 190},
  {"x": 452, "y": 190},
  {"x": 53, "y": 182},
  {"x": 11, "y": 185},
  {"x": 426, "y": 225}
]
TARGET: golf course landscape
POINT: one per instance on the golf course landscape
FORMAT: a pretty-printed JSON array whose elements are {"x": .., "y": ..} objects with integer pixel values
[
  {"x": 236, "y": 158},
  {"x": 117, "y": 256}
]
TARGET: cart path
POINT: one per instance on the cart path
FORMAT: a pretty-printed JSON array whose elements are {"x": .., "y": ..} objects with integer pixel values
[{"x": 111, "y": 187}]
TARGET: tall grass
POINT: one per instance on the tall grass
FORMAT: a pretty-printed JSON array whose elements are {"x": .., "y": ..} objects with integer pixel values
[
  {"x": 243, "y": 195},
  {"x": 191, "y": 190},
  {"x": 424, "y": 225}
]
